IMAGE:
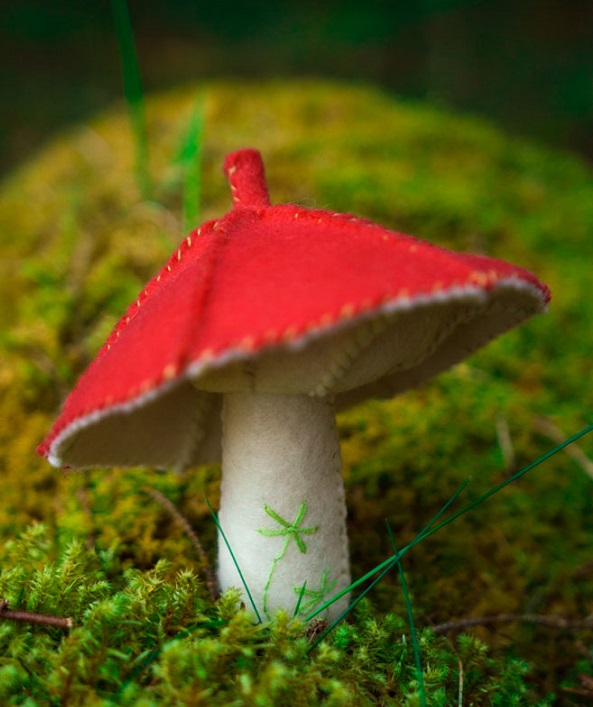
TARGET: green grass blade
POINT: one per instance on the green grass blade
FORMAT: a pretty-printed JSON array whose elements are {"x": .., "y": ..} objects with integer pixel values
[
  {"x": 499, "y": 487},
  {"x": 387, "y": 566},
  {"x": 383, "y": 569},
  {"x": 299, "y": 601},
  {"x": 133, "y": 92},
  {"x": 384, "y": 566},
  {"x": 191, "y": 159},
  {"x": 409, "y": 612},
  {"x": 428, "y": 530},
  {"x": 226, "y": 542}
]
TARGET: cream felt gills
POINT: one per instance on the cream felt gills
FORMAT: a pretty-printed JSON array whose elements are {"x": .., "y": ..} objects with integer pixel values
[
  {"x": 389, "y": 346},
  {"x": 241, "y": 348}
]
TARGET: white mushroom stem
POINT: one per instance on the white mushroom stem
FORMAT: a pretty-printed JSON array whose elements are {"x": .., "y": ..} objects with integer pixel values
[{"x": 282, "y": 506}]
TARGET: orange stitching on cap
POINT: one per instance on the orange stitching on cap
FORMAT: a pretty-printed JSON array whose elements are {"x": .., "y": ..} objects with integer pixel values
[
  {"x": 404, "y": 293},
  {"x": 169, "y": 268},
  {"x": 270, "y": 336},
  {"x": 326, "y": 319},
  {"x": 207, "y": 355},
  {"x": 158, "y": 278},
  {"x": 188, "y": 241},
  {"x": 347, "y": 311},
  {"x": 247, "y": 344},
  {"x": 169, "y": 372},
  {"x": 296, "y": 215},
  {"x": 289, "y": 334},
  {"x": 146, "y": 386},
  {"x": 478, "y": 278},
  {"x": 178, "y": 255}
]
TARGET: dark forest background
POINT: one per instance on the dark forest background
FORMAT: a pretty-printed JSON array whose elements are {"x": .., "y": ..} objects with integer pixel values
[{"x": 525, "y": 64}]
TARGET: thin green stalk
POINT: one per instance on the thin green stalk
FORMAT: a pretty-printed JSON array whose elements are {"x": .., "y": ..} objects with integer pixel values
[
  {"x": 290, "y": 531},
  {"x": 133, "y": 92},
  {"x": 384, "y": 566},
  {"x": 510, "y": 480},
  {"x": 415, "y": 646},
  {"x": 297, "y": 608},
  {"x": 226, "y": 542},
  {"x": 430, "y": 529},
  {"x": 383, "y": 569}
]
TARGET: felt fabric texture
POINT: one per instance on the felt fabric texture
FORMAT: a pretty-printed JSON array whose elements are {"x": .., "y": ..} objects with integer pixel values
[
  {"x": 280, "y": 299},
  {"x": 245, "y": 171},
  {"x": 277, "y": 314},
  {"x": 282, "y": 506}
]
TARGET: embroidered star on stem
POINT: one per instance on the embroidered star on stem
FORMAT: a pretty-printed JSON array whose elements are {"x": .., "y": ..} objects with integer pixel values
[
  {"x": 311, "y": 598},
  {"x": 291, "y": 531}
]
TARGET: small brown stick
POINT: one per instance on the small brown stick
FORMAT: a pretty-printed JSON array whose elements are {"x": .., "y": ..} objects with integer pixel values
[
  {"x": 505, "y": 441},
  {"x": 34, "y": 618},
  {"x": 162, "y": 500},
  {"x": 558, "y": 622},
  {"x": 548, "y": 429},
  {"x": 314, "y": 629}
]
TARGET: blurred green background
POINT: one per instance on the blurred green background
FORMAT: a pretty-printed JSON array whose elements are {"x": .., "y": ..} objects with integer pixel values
[{"x": 526, "y": 64}]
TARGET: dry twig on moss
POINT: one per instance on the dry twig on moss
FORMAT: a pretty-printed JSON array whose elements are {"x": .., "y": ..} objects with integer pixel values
[
  {"x": 556, "y": 622},
  {"x": 548, "y": 429},
  {"x": 33, "y": 617},
  {"x": 162, "y": 500}
]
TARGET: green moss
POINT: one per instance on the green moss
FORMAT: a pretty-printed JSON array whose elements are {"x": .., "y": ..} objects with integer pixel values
[
  {"x": 152, "y": 637},
  {"x": 77, "y": 242}
]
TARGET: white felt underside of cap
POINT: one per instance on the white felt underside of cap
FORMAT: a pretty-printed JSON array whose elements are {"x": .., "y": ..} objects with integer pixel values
[{"x": 377, "y": 354}]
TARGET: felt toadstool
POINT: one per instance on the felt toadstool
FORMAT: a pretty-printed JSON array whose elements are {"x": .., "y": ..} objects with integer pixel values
[{"x": 261, "y": 325}]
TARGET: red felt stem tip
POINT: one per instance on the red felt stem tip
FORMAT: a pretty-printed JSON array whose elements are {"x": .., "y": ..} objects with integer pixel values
[{"x": 245, "y": 171}]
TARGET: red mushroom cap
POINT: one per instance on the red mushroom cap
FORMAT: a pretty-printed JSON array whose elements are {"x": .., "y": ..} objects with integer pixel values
[{"x": 358, "y": 309}]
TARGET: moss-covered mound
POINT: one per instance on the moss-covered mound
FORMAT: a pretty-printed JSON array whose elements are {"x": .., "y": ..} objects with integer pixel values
[{"x": 77, "y": 242}]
